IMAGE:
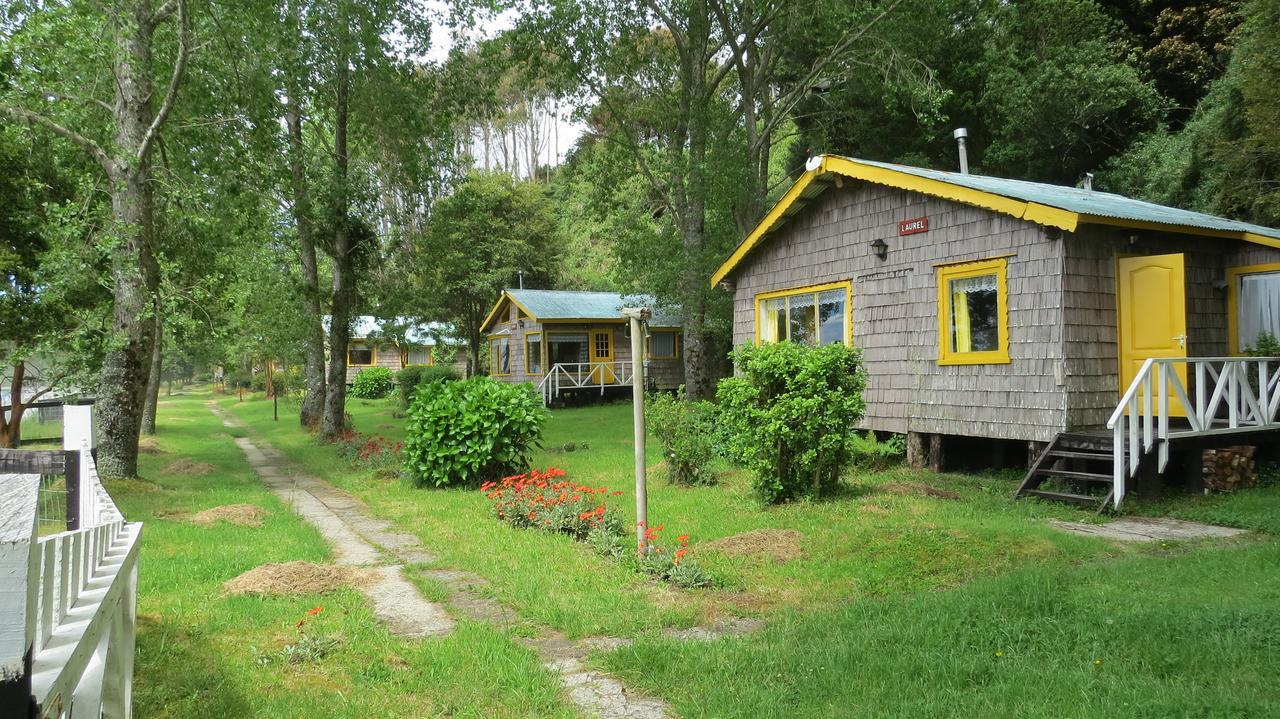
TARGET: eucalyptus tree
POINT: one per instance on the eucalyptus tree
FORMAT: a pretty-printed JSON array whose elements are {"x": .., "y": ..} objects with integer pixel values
[{"x": 110, "y": 99}]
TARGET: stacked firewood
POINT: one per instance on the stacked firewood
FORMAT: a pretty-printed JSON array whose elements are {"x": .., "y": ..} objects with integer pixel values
[{"x": 1229, "y": 468}]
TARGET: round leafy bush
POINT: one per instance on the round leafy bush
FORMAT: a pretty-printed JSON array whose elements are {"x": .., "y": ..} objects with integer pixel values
[
  {"x": 790, "y": 415},
  {"x": 409, "y": 378},
  {"x": 372, "y": 383},
  {"x": 471, "y": 431},
  {"x": 687, "y": 432}
]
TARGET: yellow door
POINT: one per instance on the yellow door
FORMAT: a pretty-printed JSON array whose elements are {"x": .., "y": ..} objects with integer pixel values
[
  {"x": 1153, "y": 317},
  {"x": 602, "y": 357}
]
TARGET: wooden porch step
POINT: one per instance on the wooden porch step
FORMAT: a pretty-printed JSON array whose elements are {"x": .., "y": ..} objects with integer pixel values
[
  {"x": 1082, "y": 476},
  {"x": 1073, "y": 454},
  {"x": 1089, "y": 499}
]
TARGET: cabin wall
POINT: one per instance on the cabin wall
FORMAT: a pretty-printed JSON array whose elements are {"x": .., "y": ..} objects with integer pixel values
[
  {"x": 1091, "y": 312},
  {"x": 388, "y": 355},
  {"x": 663, "y": 374},
  {"x": 895, "y": 308}
]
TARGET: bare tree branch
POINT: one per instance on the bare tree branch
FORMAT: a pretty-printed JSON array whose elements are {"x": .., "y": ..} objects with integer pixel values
[
  {"x": 94, "y": 149},
  {"x": 171, "y": 95}
]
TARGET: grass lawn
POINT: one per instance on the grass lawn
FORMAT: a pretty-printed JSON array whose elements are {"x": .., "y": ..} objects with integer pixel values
[
  {"x": 203, "y": 654},
  {"x": 903, "y": 605}
]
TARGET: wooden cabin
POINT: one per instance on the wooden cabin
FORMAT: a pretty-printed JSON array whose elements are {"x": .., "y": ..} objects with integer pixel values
[
  {"x": 575, "y": 342},
  {"x": 370, "y": 346},
  {"x": 993, "y": 312}
]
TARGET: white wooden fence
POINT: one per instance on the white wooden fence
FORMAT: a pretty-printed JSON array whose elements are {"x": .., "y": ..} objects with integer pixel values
[
  {"x": 1232, "y": 395},
  {"x": 584, "y": 375},
  {"x": 67, "y": 600}
]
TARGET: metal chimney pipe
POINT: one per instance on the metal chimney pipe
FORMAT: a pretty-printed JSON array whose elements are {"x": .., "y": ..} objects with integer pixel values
[
  {"x": 961, "y": 134},
  {"x": 1088, "y": 181}
]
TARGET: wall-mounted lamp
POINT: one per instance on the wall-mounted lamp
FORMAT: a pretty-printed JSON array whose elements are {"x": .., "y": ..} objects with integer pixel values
[
  {"x": 880, "y": 248},
  {"x": 520, "y": 324}
]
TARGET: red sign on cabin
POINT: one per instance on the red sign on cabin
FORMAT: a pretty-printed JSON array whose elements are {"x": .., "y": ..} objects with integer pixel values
[{"x": 911, "y": 227}]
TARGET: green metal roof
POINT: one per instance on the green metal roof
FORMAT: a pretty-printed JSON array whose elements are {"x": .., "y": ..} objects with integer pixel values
[
  {"x": 569, "y": 305},
  {"x": 1088, "y": 202}
]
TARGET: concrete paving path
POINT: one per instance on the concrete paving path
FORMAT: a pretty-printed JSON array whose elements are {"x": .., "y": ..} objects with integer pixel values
[
  {"x": 359, "y": 539},
  {"x": 1148, "y": 529}
]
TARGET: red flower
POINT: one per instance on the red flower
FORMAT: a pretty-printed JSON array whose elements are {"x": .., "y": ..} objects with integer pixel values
[
  {"x": 682, "y": 538},
  {"x": 586, "y": 515},
  {"x": 488, "y": 486},
  {"x": 314, "y": 611},
  {"x": 617, "y": 493}
]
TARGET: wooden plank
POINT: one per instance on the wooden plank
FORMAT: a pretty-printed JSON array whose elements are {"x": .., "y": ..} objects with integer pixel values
[{"x": 17, "y": 536}]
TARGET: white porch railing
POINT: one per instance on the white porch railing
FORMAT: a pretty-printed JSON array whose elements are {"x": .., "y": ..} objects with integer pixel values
[
  {"x": 1231, "y": 395},
  {"x": 67, "y": 604},
  {"x": 583, "y": 375}
]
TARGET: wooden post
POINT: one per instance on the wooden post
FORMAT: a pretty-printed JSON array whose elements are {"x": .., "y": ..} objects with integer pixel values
[
  {"x": 71, "y": 471},
  {"x": 917, "y": 449},
  {"x": 637, "y": 315},
  {"x": 937, "y": 459},
  {"x": 18, "y": 575}
]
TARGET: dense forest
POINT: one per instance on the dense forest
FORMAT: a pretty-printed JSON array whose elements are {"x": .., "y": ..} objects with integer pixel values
[{"x": 187, "y": 184}]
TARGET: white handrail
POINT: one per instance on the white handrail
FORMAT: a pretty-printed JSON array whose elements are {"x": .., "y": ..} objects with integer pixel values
[
  {"x": 1224, "y": 402},
  {"x": 580, "y": 375}
]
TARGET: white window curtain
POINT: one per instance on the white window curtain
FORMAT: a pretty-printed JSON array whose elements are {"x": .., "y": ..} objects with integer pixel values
[{"x": 1258, "y": 310}]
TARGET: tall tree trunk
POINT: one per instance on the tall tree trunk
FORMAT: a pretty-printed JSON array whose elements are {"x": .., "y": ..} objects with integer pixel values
[
  {"x": 344, "y": 277},
  {"x": 11, "y": 426},
  {"x": 313, "y": 399},
  {"x": 153, "y": 379}
]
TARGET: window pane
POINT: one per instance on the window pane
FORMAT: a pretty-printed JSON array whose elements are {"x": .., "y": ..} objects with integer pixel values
[
  {"x": 974, "y": 314},
  {"x": 504, "y": 350},
  {"x": 418, "y": 355},
  {"x": 533, "y": 353},
  {"x": 567, "y": 348},
  {"x": 360, "y": 354},
  {"x": 662, "y": 344},
  {"x": 1259, "y": 308},
  {"x": 831, "y": 317},
  {"x": 802, "y": 319},
  {"x": 773, "y": 320},
  {"x": 602, "y": 345}
]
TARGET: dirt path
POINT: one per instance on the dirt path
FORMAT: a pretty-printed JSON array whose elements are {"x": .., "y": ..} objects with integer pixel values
[{"x": 361, "y": 540}]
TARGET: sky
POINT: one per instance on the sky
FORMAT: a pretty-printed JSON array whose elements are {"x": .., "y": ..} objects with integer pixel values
[{"x": 442, "y": 42}]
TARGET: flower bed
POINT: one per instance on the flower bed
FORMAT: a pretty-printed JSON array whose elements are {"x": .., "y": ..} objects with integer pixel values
[{"x": 545, "y": 500}]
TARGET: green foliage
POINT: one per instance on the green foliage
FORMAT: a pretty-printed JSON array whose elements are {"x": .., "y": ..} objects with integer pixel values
[
  {"x": 876, "y": 454},
  {"x": 686, "y": 430},
  {"x": 372, "y": 383},
  {"x": 409, "y": 378},
  {"x": 471, "y": 431},
  {"x": 1266, "y": 346},
  {"x": 789, "y": 416}
]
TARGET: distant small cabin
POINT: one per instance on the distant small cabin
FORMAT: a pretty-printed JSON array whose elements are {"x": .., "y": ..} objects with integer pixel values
[
  {"x": 999, "y": 309},
  {"x": 370, "y": 347},
  {"x": 575, "y": 342}
]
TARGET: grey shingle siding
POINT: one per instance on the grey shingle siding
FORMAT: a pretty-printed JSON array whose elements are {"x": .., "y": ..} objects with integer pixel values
[{"x": 1061, "y": 300}]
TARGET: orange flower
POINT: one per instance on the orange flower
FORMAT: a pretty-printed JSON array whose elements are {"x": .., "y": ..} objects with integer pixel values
[
  {"x": 300, "y": 623},
  {"x": 586, "y": 515},
  {"x": 314, "y": 611},
  {"x": 680, "y": 553},
  {"x": 487, "y": 486},
  {"x": 533, "y": 514},
  {"x": 682, "y": 538}
]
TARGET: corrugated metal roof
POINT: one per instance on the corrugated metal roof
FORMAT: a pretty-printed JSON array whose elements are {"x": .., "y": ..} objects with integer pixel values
[
  {"x": 1088, "y": 202},
  {"x": 572, "y": 305}
]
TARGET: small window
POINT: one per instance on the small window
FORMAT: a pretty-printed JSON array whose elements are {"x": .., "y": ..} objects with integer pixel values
[
  {"x": 567, "y": 348},
  {"x": 1253, "y": 305},
  {"x": 603, "y": 345},
  {"x": 533, "y": 352},
  {"x": 418, "y": 355},
  {"x": 500, "y": 356},
  {"x": 359, "y": 354},
  {"x": 809, "y": 316},
  {"x": 973, "y": 316},
  {"x": 663, "y": 344}
]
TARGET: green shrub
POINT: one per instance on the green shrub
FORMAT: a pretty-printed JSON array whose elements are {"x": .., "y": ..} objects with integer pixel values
[
  {"x": 372, "y": 383},
  {"x": 238, "y": 379},
  {"x": 790, "y": 415},
  {"x": 877, "y": 454},
  {"x": 409, "y": 378},
  {"x": 471, "y": 431},
  {"x": 687, "y": 433}
]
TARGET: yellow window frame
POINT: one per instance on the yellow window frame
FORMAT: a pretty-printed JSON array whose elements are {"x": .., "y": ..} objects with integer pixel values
[
  {"x": 1233, "y": 300},
  {"x": 815, "y": 290},
  {"x": 945, "y": 275},
  {"x": 675, "y": 344},
  {"x": 373, "y": 353},
  {"x": 542, "y": 354},
  {"x": 404, "y": 357},
  {"x": 494, "y": 357}
]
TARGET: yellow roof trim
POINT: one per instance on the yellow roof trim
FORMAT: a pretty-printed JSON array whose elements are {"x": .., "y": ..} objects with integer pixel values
[
  {"x": 505, "y": 296},
  {"x": 1029, "y": 211}
]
